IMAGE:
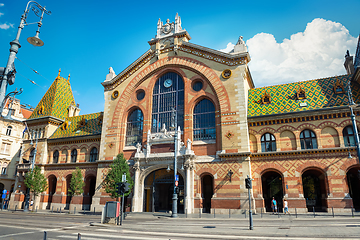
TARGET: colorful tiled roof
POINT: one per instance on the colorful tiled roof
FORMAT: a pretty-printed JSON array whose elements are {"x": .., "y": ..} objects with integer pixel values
[
  {"x": 83, "y": 125},
  {"x": 56, "y": 100},
  {"x": 319, "y": 94}
]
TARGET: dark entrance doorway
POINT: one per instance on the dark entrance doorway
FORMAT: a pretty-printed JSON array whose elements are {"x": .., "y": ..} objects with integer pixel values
[
  {"x": 314, "y": 190},
  {"x": 272, "y": 186},
  {"x": 52, "y": 180},
  {"x": 158, "y": 191},
  {"x": 353, "y": 179},
  {"x": 68, "y": 196},
  {"x": 89, "y": 192},
  {"x": 207, "y": 192}
]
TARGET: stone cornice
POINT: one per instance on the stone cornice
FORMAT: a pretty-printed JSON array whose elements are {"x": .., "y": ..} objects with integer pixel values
[{"x": 301, "y": 152}]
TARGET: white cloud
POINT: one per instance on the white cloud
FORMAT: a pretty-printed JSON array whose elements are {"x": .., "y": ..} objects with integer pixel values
[
  {"x": 1, "y": 4},
  {"x": 317, "y": 52},
  {"x": 229, "y": 47},
  {"x": 6, "y": 26}
]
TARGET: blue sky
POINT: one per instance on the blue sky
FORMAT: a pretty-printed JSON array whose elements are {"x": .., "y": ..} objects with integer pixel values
[{"x": 287, "y": 40}]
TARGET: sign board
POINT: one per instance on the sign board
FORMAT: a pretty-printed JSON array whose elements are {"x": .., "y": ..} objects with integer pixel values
[
  {"x": 177, "y": 178},
  {"x": 123, "y": 177},
  {"x": 176, "y": 183},
  {"x": 3, "y": 194}
]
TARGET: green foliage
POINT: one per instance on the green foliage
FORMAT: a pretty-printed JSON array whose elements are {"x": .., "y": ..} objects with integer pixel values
[
  {"x": 36, "y": 181},
  {"x": 114, "y": 176},
  {"x": 76, "y": 183}
]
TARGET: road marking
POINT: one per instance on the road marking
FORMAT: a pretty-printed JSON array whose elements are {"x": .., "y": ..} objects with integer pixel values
[
  {"x": 17, "y": 234},
  {"x": 102, "y": 236}
]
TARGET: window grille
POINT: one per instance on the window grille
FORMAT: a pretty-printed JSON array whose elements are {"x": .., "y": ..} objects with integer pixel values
[
  {"x": 93, "y": 154},
  {"x": 268, "y": 143},
  {"x": 56, "y": 156},
  {"x": 308, "y": 139},
  {"x": 134, "y": 128},
  {"x": 73, "y": 155},
  {"x": 204, "y": 120},
  {"x": 349, "y": 136}
]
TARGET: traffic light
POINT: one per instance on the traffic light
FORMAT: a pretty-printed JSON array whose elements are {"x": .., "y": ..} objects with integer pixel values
[
  {"x": 118, "y": 187},
  {"x": 127, "y": 187},
  {"x": 248, "y": 183},
  {"x": 177, "y": 190}
]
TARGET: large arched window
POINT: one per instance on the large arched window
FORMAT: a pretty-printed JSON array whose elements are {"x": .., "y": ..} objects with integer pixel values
[
  {"x": 134, "y": 128},
  {"x": 168, "y": 103},
  {"x": 93, "y": 154},
  {"x": 56, "y": 156},
  {"x": 73, "y": 155},
  {"x": 308, "y": 139},
  {"x": 204, "y": 120},
  {"x": 349, "y": 136},
  {"x": 268, "y": 143}
]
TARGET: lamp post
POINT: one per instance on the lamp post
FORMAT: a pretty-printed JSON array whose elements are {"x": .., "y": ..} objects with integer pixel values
[
  {"x": 8, "y": 73},
  {"x": 176, "y": 177},
  {"x": 353, "y": 120},
  {"x": 27, "y": 197}
]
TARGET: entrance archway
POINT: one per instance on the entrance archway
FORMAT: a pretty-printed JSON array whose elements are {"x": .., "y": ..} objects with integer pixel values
[
  {"x": 314, "y": 188},
  {"x": 89, "y": 192},
  {"x": 68, "y": 196},
  {"x": 158, "y": 191},
  {"x": 272, "y": 186},
  {"x": 207, "y": 192},
  {"x": 353, "y": 180},
  {"x": 52, "y": 180}
]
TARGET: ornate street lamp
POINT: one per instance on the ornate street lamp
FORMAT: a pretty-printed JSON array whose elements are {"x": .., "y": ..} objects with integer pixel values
[{"x": 7, "y": 74}]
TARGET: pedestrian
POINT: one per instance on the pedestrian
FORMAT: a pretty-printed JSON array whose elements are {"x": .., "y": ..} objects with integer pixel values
[
  {"x": 286, "y": 209},
  {"x": 274, "y": 205}
]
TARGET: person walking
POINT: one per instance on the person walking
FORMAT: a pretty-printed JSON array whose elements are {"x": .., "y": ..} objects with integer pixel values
[
  {"x": 286, "y": 209},
  {"x": 274, "y": 205}
]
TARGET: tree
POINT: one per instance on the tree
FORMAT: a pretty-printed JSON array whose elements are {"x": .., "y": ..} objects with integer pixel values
[
  {"x": 114, "y": 176},
  {"x": 76, "y": 183},
  {"x": 36, "y": 181}
]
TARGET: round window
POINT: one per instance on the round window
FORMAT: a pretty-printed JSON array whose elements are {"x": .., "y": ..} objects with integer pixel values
[
  {"x": 197, "y": 86},
  {"x": 140, "y": 95}
]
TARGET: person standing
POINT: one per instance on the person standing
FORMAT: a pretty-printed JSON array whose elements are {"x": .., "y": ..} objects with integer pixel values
[
  {"x": 286, "y": 209},
  {"x": 274, "y": 205}
]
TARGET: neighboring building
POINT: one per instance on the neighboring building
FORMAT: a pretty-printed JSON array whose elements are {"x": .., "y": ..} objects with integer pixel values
[
  {"x": 11, "y": 133},
  {"x": 293, "y": 139}
]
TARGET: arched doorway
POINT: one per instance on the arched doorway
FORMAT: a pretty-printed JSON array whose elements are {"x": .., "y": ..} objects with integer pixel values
[
  {"x": 68, "y": 196},
  {"x": 89, "y": 192},
  {"x": 158, "y": 191},
  {"x": 207, "y": 192},
  {"x": 1, "y": 189},
  {"x": 353, "y": 180},
  {"x": 314, "y": 188},
  {"x": 52, "y": 180},
  {"x": 272, "y": 186}
]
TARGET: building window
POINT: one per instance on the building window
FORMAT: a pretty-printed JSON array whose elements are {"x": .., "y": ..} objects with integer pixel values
[
  {"x": 204, "y": 120},
  {"x": 5, "y": 148},
  {"x": 32, "y": 155},
  {"x": 349, "y": 136},
  {"x": 134, "y": 128},
  {"x": 73, "y": 155},
  {"x": 4, "y": 168},
  {"x": 93, "y": 154},
  {"x": 168, "y": 103},
  {"x": 268, "y": 143},
  {"x": 308, "y": 139},
  {"x": 56, "y": 156},
  {"x": 8, "y": 130}
]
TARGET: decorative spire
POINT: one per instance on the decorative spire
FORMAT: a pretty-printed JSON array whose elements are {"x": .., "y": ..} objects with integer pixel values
[
  {"x": 58, "y": 76},
  {"x": 357, "y": 54},
  {"x": 68, "y": 79}
]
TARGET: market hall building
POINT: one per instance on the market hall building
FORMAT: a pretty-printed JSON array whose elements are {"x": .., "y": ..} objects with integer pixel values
[{"x": 293, "y": 139}]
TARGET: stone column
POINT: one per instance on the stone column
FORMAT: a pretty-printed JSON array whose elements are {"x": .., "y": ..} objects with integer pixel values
[
  {"x": 189, "y": 198},
  {"x": 136, "y": 201}
]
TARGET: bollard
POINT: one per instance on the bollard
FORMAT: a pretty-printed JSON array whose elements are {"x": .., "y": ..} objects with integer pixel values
[
  {"x": 94, "y": 210},
  {"x": 278, "y": 213},
  {"x": 15, "y": 207},
  {"x": 229, "y": 213},
  {"x": 314, "y": 211},
  {"x": 60, "y": 209},
  {"x": 36, "y": 208},
  {"x": 74, "y": 210},
  {"x": 261, "y": 212},
  {"x": 200, "y": 212},
  {"x": 245, "y": 213},
  {"x": 214, "y": 212},
  {"x": 295, "y": 213},
  {"x": 52, "y": 209},
  {"x": 186, "y": 213},
  {"x": 79, "y": 236},
  {"x": 57, "y": 210},
  {"x": 45, "y": 235},
  {"x": 332, "y": 211},
  {"x": 352, "y": 211}
]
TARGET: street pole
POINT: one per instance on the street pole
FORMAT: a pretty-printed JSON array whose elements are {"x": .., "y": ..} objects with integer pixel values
[
  {"x": 175, "y": 197},
  {"x": 27, "y": 197},
  {"x": 9, "y": 71},
  {"x": 353, "y": 120},
  {"x": 248, "y": 185}
]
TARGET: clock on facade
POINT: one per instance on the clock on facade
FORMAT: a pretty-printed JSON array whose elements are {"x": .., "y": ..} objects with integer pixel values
[{"x": 168, "y": 83}]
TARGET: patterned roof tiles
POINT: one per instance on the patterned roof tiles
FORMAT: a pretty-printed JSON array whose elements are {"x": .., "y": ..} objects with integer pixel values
[
  {"x": 83, "y": 125},
  {"x": 56, "y": 100},
  {"x": 319, "y": 94}
]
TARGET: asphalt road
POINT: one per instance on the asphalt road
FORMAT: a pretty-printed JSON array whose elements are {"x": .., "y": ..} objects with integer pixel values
[{"x": 31, "y": 226}]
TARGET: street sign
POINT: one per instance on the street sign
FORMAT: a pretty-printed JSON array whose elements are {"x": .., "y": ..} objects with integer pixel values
[
  {"x": 176, "y": 183},
  {"x": 3, "y": 194},
  {"x": 123, "y": 177},
  {"x": 177, "y": 178}
]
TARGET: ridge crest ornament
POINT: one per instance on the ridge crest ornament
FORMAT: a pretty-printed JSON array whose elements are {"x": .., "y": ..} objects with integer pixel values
[{"x": 168, "y": 27}]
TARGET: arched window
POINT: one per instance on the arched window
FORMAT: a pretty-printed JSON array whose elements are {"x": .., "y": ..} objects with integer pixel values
[
  {"x": 56, "y": 156},
  {"x": 134, "y": 128},
  {"x": 308, "y": 139},
  {"x": 204, "y": 120},
  {"x": 268, "y": 143},
  {"x": 168, "y": 103},
  {"x": 349, "y": 136},
  {"x": 31, "y": 157},
  {"x": 93, "y": 154},
  {"x": 73, "y": 155},
  {"x": 8, "y": 130}
]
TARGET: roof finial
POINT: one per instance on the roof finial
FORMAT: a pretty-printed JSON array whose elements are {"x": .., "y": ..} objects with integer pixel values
[{"x": 59, "y": 72}]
